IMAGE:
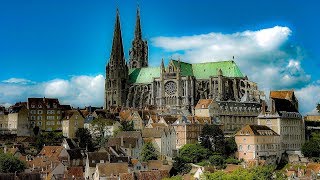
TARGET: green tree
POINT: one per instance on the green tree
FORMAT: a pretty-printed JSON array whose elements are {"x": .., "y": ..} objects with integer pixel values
[
  {"x": 148, "y": 152},
  {"x": 311, "y": 148},
  {"x": 230, "y": 146},
  {"x": 180, "y": 165},
  {"x": 85, "y": 139},
  {"x": 49, "y": 139},
  {"x": 217, "y": 161},
  {"x": 99, "y": 126},
  {"x": 10, "y": 164},
  {"x": 193, "y": 153},
  {"x": 212, "y": 138},
  {"x": 127, "y": 126}
]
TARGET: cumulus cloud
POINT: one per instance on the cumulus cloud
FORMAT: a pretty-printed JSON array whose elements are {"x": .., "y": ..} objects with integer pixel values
[
  {"x": 308, "y": 97},
  {"x": 265, "y": 55},
  {"x": 78, "y": 91},
  {"x": 17, "y": 81}
]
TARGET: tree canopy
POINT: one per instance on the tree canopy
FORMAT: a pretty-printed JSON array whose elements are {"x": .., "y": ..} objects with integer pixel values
[
  {"x": 212, "y": 138},
  {"x": 10, "y": 164},
  {"x": 311, "y": 148},
  {"x": 148, "y": 152},
  {"x": 49, "y": 139},
  {"x": 85, "y": 139},
  {"x": 127, "y": 126},
  {"x": 193, "y": 153}
]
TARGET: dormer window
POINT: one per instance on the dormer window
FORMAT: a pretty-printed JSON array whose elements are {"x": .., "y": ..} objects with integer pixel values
[
  {"x": 39, "y": 106},
  {"x": 33, "y": 106}
]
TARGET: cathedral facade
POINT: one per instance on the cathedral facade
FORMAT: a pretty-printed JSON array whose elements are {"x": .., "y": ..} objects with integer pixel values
[{"x": 178, "y": 85}]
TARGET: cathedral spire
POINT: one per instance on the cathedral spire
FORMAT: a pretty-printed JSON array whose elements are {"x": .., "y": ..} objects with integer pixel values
[
  {"x": 139, "y": 50},
  {"x": 137, "y": 32},
  {"x": 117, "y": 55}
]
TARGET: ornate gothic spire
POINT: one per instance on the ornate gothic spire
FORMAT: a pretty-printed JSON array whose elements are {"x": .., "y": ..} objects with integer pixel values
[
  {"x": 137, "y": 32},
  {"x": 117, "y": 55},
  {"x": 139, "y": 50}
]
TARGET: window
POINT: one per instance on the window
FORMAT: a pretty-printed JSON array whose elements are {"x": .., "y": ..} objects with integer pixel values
[
  {"x": 39, "y": 118},
  {"x": 39, "y": 111},
  {"x": 39, "y": 123},
  {"x": 58, "y": 112}
]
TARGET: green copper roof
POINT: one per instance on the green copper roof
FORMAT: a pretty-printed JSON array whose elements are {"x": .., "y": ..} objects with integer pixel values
[
  {"x": 186, "y": 68},
  {"x": 143, "y": 75},
  {"x": 205, "y": 70},
  {"x": 199, "y": 71}
]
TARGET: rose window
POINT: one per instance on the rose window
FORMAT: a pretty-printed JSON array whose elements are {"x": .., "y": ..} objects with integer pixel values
[{"x": 170, "y": 87}]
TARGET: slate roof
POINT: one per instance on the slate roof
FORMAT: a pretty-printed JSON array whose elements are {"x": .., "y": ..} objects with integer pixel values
[
  {"x": 75, "y": 154},
  {"x": 198, "y": 70},
  {"x": 97, "y": 156},
  {"x": 256, "y": 130}
]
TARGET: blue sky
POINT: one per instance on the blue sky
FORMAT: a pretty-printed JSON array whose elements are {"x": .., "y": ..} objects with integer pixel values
[{"x": 59, "y": 43}]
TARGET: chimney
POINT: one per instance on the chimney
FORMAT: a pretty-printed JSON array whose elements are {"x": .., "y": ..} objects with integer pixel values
[{"x": 121, "y": 141}]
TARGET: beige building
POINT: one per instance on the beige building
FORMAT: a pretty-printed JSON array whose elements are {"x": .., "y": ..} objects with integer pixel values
[
  {"x": 18, "y": 120},
  {"x": 257, "y": 142},
  {"x": 283, "y": 117},
  {"x": 186, "y": 132},
  {"x": 3, "y": 121},
  {"x": 72, "y": 121},
  {"x": 163, "y": 139},
  {"x": 46, "y": 113},
  {"x": 233, "y": 115}
]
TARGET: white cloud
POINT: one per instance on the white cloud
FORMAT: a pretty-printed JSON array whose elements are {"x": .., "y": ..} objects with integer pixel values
[
  {"x": 265, "y": 55},
  {"x": 308, "y": 97},
  {"x": 79, "y": 91},
  {"x": 17, "y": 81}
]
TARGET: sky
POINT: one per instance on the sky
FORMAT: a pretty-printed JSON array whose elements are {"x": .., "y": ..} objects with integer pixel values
[{"x": 60, "y": 48}]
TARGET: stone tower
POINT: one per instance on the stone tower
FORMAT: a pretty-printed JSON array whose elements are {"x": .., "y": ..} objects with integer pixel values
[
  {"x": 116, "y": 71},
  {"x": 139, "y": 50}
]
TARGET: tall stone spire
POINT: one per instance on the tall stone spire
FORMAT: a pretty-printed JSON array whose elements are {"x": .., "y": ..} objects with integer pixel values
[
  {"x": 117, "y": 55},
  {"x": 116, "y": 71},
  {"x": 139, "y": 50},
  {"x": 137, "y": 32}
]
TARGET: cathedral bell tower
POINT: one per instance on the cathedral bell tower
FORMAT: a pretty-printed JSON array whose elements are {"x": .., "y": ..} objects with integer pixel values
[
  {"x": 139, "y": 50},
  {"x": 116, "y": 71}
]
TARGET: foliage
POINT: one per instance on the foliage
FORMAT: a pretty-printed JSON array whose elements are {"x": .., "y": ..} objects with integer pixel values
[
  {"x": 127, "y": 126},
  {"x": 230, "y": 146},
  {"x": 180, "y": 165},
  {"x": 204, "y": 163},
  {"x": 148, "y": 152},
  {"x": 193, "y": 153},
  {"x": 85, "y": 139},
  {"x": 212, "y": 138},
  {"x": 311, "y": 148},
  {"x": 232, "y": 161},
  {"x": 257, "y": 173},
  {"x": 173, "y": 178},
  {"x": 99, "y": 127},
  {"x": 11, "y": 164},
  {"x": 217, "y": 161},
  {"x": 49, "y": 139}
]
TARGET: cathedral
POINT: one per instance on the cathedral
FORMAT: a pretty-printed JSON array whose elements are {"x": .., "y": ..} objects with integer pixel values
[{"x": 179, "y": 85}]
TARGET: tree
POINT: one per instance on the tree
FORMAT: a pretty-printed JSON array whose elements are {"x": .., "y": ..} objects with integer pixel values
[
  {"x": 311, "y": 148},
  {"x": 148, "y": 152},
  {"x": 10, "y": 164},
  {"x": 180, "y": 165},
  {"x": 193, "y": 153},
  {"x": 99, "y": 126},
  {"x": 127, "y": 126},
  {"x": 230, "y": 146},
  {"x": 217, "y": 160},
  {"x": 85, "y": 139},
  {"x": 212, "y": 138},
  {"x": 36, "y": 130},
  {"x": 49, "y": 139}
]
